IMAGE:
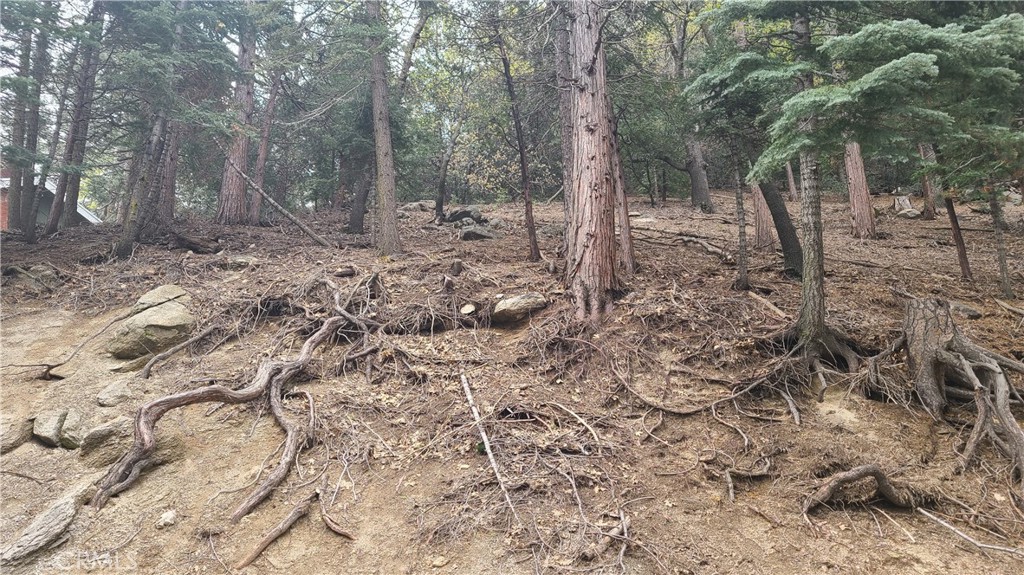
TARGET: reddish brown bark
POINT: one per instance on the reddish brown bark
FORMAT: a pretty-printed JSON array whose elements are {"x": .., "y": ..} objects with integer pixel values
[
  {"x": 386, "y": 239},
  {"x": 590, "y": 261},
  {"x": 231, "y": 208},
  {"x": 863, "y": 216},
  {"x": 261, "y": 157},
  {"x": 763, "y": 224}
]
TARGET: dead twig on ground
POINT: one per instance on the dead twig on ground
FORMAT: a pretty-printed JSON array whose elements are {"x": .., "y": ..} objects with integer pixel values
[
  {"x": 971, "y": 540},
  {"x": 487, "y": 445}
]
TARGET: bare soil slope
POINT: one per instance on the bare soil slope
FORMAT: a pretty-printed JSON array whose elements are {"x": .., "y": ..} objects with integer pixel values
[{"x": 571, "y": 418}]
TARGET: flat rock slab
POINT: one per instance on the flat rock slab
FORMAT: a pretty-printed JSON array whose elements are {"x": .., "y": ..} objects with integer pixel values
[
  {"x": 471, "y": 233},
  {"x": 515, "y": 308},
  {"x": 15, "y": 429}
]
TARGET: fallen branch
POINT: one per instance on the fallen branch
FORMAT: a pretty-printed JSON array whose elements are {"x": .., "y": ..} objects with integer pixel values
[
  {"x": 685, "y": 239},
  {"x": 617, "y": 532},
  {"x": 778, "y": 312},
  {"x": 1009, "y": 307},
  {"x": 273, "y": 203},
  {"x": 297, "y": 512},
  {"x": 487, "y": 445},
  {"x": 973, "y": 541},
  {"x": 834, "y": 483}
]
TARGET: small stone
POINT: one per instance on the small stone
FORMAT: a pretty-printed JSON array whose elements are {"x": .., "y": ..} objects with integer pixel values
[
  {"x": 114, "y": 394},
  {"x": 468, "y": 309},
  {"x": 966, "y": 310},
  {"x": 47, "y": 426},
  {"x": 167, "y": 518},
  {"x": 439, "y": 561},
  {"x": 515, "y": 308},
  {"x": 239, "y": 263},
  {"x": 910, "y": 214},
  {"x": 73, "y": 431},
  {"x": 1014, "y": 198},
  {"x": 15, "y": 429}
]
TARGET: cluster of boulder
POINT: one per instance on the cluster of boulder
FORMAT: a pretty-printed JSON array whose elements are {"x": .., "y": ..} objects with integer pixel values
[
  {"x": 469, "y": 220},
  {"x": 159, "y": 320}
]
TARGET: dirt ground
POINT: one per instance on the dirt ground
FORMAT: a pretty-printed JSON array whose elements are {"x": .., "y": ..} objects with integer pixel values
[{"x": 399, "y": 460}]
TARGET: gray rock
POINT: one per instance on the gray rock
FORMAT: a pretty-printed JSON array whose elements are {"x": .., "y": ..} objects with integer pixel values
[
  {"x": 471, "y": 212},
  {"x": 152, "y": 331},
  {"x": 465, "y": 223},
  {"x": 551, "y": 230},
  {"x": 515, "y": 308},
  {"x": 47, "y": 426},
  {"x": 157, "y": 296},
  {"x": 900, "y": 203},
  {"x": 910, "y": 214},
  {"x": 420, "y": 206},
  {"x": 965, "y": 310},
  {"x": 237, "y": 263},
  {"x": 73, "y": 431},
  {"x": 471, "y": 233},
  {"x": 114, "y": 394},
  {"x": 1014, "y": 198},
  {"x": 15, "y": 429},
  {"x": 167, "y": 518},
  {"x": 106, "y": 442}
]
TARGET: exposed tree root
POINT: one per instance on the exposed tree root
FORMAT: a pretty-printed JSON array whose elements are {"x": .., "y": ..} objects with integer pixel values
[
  {"x": 942, "y": 362},
  {"x": 896, "y": 496},
  {"x": 270, "y": 377},
  {"x": 298, "y": 512}
]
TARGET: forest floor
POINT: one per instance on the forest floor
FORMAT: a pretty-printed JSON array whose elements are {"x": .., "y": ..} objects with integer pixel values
[{"x": 398, "y": 457}]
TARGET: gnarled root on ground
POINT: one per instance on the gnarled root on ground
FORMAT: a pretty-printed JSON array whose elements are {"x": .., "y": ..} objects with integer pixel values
[
  {"x": 895, "y": 495},
  {"x": 942, "y": 363}
]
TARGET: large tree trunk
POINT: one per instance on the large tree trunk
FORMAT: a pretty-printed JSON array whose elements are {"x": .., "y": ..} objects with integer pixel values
[
  {"x": 143, "y": 193},
  {"x": 563, "y": 76},
  {"x": 811, "y": 321},
  {"x": 742, "y": 276},
  {"x": 231, "y": 208},
  {"x": 863, "y": 215},
  {"x": 763, "y": 239},
  {"x": 590, "y": 261},
  {"x": 70, "y": 181},
  {"x": 51, "y": 156},
  {"x": 700, "y": 193},
  {"x": 260, "y": 169},
  {"x": 524, "y": 168},
  {"x": 791, "y": 181},
  {"x": 792, "y": 255},
  {"x": 169, "y": 176},
  {"x": 929, "y": 186},
  {"x": 941, "y": 361},
  {"x": 357, "y": 215},
  {"x": 441, "y": 194},
  {"x": 387, "y": 239},
  {"x": 30, "y": 189},
  {"x": 15, "y": 158}
]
